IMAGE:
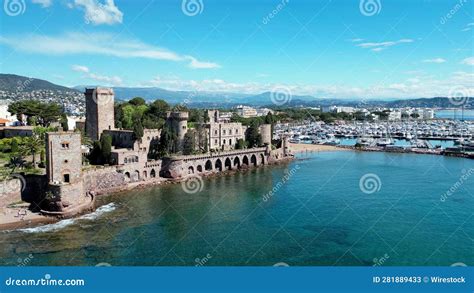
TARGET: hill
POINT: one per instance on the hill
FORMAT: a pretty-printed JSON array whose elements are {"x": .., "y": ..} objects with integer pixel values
[{"x": 17, "y": 83}]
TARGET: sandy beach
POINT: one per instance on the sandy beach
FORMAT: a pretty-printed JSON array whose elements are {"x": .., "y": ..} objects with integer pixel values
[
  {"x": 300, "y": 148},
  {"x": 15, "y": 218}
]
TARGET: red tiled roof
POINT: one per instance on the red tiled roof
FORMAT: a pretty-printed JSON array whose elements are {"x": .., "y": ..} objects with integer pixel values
[{"x": 4, "y": 120}]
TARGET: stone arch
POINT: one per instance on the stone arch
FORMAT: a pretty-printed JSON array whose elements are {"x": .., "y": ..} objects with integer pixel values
[
  {"x": 145, "y": 174},
  {"x": 262, "y": 159},
  {"x": 190, "y": 170},
  {"x": 199, "y": 168},
  {"x": 127, "y": 176},
  {"x": 208, "y": 165},
  {"x": 245, "y": 160},
  {"x": 153, "y": 173},
  {"x": 253, "y": 160},
  {"x": 218, "y": 165},
  {"x": 228, "y": 164},
  {"x": 136, "y": 175},
  {"x": 237, "y": 162}
]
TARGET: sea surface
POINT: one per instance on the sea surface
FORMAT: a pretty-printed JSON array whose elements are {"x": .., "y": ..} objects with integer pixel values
[
  {"x": 328, "y": 208},
  {"x": 457, "y": 114}
]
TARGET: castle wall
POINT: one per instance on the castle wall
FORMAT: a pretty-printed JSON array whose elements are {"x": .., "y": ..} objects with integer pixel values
[{"x": 10, "y": 191}]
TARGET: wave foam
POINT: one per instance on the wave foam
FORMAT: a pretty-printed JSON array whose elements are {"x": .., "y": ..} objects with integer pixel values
[{"x": 67, "y": 222}]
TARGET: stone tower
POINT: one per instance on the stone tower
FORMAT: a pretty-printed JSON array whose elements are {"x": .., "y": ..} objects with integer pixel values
[
  {"x": 266, "y": 133},
  {"x": 99, "y": 111},
  {"x": 63, "y": 157},
  {"x": 64, "y": 168},
  {"x": 179, "y": 123}
]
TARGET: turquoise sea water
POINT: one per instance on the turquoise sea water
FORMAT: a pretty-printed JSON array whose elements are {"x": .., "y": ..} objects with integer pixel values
[
  {"x": 455, "y": 114},
  {"x": 319, "y": 216}
]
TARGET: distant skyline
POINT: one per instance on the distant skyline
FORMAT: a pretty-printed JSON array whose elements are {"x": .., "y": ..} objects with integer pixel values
[{"x": 328, "y": 49}]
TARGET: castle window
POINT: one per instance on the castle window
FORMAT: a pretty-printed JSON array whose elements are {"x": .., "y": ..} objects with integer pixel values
[
  {"x": 230, "y": 131},
  {"x": 66, "y": 161},
  {"x": 65, "y": 145},
  {"x": 224, "y": 131},
  {"x": 66, "y": 178},
  {"x": 215, "y": 132},
  {"x": 236, "y": 131},
  {"x": 224, "y": 141},
  {"x": 230, "y": 141},
  {"x": 215, "y": 141}
]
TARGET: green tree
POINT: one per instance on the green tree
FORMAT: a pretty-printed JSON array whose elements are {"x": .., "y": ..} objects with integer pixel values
[
  {"x": 168, "y": 140},
  {"x": 31, "y": 146},
  {"x": 14, "y": 146},
  {"x": 241, "y": 144},
  {"x": 253, "y": 136},
  {"x": 137, "y": 101},
  {"x": 188, "y": 143},
  {"x": 64, "y": 124},
  {"x": 106, "y": 148}
]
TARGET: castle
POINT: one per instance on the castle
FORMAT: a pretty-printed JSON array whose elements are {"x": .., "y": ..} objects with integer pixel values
[{"x": 73, "y": 187}]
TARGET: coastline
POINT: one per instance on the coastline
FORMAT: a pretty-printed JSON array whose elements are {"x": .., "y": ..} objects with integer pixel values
[
  {"x": 301, "y": 148},
  {"x": 10, "y": 221}
]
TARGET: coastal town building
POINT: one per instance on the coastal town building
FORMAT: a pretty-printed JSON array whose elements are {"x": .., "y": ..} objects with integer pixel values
[{"x": 246, "y": 111}]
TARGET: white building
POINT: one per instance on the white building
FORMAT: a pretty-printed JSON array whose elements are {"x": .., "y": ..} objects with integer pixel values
[
  {"x": 246, "y": 111},
  {"x": 395, "y": 115},
  {"x": 4, "y": 114}
]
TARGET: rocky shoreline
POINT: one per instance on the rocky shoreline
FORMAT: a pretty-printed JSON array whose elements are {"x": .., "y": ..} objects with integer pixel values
[{"x": 10, "y": 222}]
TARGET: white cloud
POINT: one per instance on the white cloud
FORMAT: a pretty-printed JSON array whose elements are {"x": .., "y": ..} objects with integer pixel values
[
  {"x": 377, "y": 47},
  {"x": 435, "y": 60},
  {"x": 417, "y": 86},
  {"x": 105, "y": 80},
  {"x": 97, "y": 44},
  {"x": 200, "y": 64},
  {"x": 468, "y": 61},
  {"x": 43, "y": 3},
  {"x": 100, "y": 13},
  {"x": 80, "y": 68},
  {"x": 356, "y": 40}
]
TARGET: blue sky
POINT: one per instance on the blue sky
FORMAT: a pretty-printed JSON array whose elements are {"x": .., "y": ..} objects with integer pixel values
[{"x": 338, "y": 48}]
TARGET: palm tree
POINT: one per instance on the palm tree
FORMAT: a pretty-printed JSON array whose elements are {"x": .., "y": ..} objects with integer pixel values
[
  {"x": 31, "y": 146},
  {"x": 16, "y": 162}
]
